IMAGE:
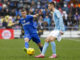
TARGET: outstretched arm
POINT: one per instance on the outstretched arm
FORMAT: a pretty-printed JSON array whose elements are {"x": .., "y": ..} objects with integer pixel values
[
  {"x": 17, "y": 22},
  {"x": 36, "y": 15}
]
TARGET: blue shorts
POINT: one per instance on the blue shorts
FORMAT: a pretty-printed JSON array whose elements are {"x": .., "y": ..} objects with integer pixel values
[{"x": 33, "y": 36}]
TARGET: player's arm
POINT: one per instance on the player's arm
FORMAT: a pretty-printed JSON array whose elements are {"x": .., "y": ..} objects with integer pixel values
[
  {"x": 17, "y": 22},
  {"x": 36, "y": 15},
  {"x": 13, "y": 23},
  {"x": 61, "y": 23}
]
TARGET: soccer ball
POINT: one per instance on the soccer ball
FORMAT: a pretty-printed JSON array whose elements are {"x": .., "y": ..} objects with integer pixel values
[{"x": 30, "y": 51}]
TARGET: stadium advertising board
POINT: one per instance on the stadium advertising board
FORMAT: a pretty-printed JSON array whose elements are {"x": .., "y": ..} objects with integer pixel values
[{"x": 6, "y": 34}]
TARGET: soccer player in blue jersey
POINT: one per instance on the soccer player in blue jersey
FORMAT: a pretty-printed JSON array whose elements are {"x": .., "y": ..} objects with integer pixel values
[
  {"x": 30, "y": 30},
  {"x": 55, "y": 34}
]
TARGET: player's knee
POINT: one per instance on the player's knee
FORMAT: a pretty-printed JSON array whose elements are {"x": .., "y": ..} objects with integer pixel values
[
  {"x": 46, "y": 40},
  {"x": 52, "y": 39},
  {"x": 26, "y": 40}
]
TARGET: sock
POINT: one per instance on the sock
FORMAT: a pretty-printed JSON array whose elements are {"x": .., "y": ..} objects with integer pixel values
[
  {"x": 45, "y": 48},
  {"x": 26, "y": 45},
  {"x": 41, "y": 48},
  {"x": 53, "y": 47}
]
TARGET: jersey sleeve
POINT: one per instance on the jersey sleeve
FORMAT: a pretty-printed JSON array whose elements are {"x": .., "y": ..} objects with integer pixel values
[
  {"x": 19, "y": 21},
  {"x": 61, "y": 23},
  {"x": 30, "y": 17},
  {"x": 58, "y": 14}
]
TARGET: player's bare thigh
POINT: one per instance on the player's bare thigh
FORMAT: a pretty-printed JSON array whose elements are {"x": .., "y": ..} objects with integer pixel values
[
  {"x": 26, "y": 39},
  {"x": 50, "y": 38}
]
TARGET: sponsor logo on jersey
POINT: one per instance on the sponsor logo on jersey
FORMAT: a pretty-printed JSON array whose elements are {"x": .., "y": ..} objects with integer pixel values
[{"x": 26, "y": 23}]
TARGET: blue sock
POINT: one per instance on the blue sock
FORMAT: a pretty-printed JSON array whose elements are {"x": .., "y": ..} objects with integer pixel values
[
  {"x": 26, "y": 45},
  {"x": 53, "y": 47},
  {"x": 41, "y": 48},
  {"x": 45, "y": 47}
]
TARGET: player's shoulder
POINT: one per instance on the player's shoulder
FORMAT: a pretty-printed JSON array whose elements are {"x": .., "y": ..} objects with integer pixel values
[
  {"x": 29, "y": 15},
  {"x": 57, "y": 11}
]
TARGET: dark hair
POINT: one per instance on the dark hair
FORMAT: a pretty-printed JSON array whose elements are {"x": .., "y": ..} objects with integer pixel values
[
  {"x": 22, "y": 10},
  {"x": 52, "y": 3}
]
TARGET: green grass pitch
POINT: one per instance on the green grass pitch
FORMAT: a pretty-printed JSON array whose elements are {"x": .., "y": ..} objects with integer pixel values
[{"x": 67, "y": 49}]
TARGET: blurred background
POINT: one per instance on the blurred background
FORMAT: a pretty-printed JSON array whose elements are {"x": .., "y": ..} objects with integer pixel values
[
  {"x": 10, "y": 11},
  {"x": 11, "y": 36}
]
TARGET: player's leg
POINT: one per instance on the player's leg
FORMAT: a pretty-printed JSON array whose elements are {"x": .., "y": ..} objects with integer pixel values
[
  {"x": 40, "y": 46},
  {"x": 52, "y": 37},
  {"x": 49, "y": 39},
  {"x": 26, "y": 43},
  {"x": 27, "y": 38},
  {"x": 37, "y": 40},
  {"x": 46, "y": 44},
  {"x": 52, "y": 41}
]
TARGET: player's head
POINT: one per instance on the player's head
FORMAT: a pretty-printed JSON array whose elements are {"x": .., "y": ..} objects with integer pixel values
[
  {"x": 23, "y": 12},
  {"x": 51, "y": 5}
]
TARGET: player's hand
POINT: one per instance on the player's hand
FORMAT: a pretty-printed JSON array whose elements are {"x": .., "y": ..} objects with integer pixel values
[
  {"x": 14, "y": 23},
  {"x": 61, "y": 33},
  {"x": 17, "y": 22}
]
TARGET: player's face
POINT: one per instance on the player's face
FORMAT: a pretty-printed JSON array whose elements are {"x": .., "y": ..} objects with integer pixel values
[
  {"x": 23, "y": 13},
  {"x": 49, "y": 7}
]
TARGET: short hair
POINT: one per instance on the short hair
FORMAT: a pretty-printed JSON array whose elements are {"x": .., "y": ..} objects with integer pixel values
[
  {"x": 52, "y": 3},
  {"x": 22, "y": 10}
]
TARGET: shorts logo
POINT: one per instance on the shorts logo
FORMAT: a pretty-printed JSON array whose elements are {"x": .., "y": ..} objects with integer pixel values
[{"x": 27, "y": 23}]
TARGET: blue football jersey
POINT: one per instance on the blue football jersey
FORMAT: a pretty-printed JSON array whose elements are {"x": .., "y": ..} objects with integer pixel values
[{"x": 28, "y": 24}]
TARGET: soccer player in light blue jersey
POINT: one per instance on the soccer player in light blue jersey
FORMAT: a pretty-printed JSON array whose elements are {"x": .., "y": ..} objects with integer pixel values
[
  {"x": 30, "y": 30},
  {"x": 55, "y": 34}
]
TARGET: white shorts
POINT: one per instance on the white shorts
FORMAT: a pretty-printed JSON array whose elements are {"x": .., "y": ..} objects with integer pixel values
[{"x": 56, "y": 33}]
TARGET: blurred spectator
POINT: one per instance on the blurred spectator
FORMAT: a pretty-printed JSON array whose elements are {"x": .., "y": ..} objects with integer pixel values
[
  {"x": 70, "y": 21},
  {"x": 77, "y": 9},
  {"x": 17, "y": 18},
  {"x": 76, "y": 18},
  {"x": 50, "y": 0},
  {"x": 40, "y": 21},
  {"x": 7, "y": 12},
  {"x": 38, "y": 5},
  {"x": 9, "y": 22},
  {"x": 67, "y": 0},
  {"x": 4, "y": 23},
  {"x": 47, "y": 20},
  {"x": 18, "y": 12},
  {"x": 65, "y": 18},
  {"x": 69, "y": 9},
  {"x": 72, "y": 9},
  {"x": 40, "y": 25},
  {"x": 12, "y": 12},
  {"x": 20, "y": 4},
  {"x": 0, "y": 22},
  {"x": 65, "y": 8},
  {"x": 1, "y": 4}
]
